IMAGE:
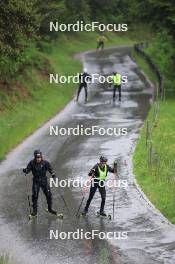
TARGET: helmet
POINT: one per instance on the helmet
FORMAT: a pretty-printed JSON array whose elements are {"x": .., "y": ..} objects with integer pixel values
[
  {"x": 103, "y": 159},
  {"x": 37, "y": 153},
  {"x": 84, "y": 70}
]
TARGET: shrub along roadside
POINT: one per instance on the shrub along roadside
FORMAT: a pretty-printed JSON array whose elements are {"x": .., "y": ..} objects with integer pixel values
[{"x": 161, "y": 51}]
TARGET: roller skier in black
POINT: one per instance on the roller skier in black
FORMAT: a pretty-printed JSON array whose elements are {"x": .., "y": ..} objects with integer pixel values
[
  {"x": 39, "y": 167},
  {"x": 84, "y": 79}
]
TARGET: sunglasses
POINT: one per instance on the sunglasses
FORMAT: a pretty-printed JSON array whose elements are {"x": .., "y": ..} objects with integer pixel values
[{"x": 38, "y": 157}]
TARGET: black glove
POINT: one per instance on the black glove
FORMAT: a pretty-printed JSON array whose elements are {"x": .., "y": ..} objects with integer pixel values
[
  {"x": 25, "y": 171},
  {"x": 53, "y": 176}
]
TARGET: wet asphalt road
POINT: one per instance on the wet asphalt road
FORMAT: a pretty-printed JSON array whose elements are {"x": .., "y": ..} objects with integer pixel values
[{"x": 150, "y": 238}]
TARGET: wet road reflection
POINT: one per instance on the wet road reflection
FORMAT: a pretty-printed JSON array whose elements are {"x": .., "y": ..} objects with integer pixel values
[{"x": 150, "y": 240}]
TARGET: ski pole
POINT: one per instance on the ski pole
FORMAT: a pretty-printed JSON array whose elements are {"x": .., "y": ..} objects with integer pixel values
[
  {"x": 30, "y": 211},
  {"x": 80, "y": 206},
  {"x": 62, "y": 197},
  {"x": 84, "y": 192},
  {"x": 116, "y": 173},
  {"x": 28, "y": 196},
  {"x": 113, "y": 205}
]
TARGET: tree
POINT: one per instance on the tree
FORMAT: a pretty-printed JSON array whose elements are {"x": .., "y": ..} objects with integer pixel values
[
  {"x": 77, "y": 10},
  {"x": 19, "y": 22},
  {"x": 51, "y": 10}
]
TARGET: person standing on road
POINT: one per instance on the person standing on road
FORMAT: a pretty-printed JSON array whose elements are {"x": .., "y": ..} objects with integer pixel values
[
  {"x": 98, "y": 176},
  {"x": 39, "y": 167},
  {"x": 101, "y": 42},
  {"x": 117, "y": 82},
  {"x": 84, "y": 78}
]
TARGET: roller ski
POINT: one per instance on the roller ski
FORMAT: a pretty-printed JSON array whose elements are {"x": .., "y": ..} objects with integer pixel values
[
  {"x": 54, "y": 213},
  {"x": 32, "y": 216},
  {"x": 83, "y": 214},
  {"x": 104, "y": 215}
]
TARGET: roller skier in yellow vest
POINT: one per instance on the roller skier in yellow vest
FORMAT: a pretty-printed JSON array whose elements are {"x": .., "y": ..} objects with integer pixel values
[
  {"x": 117, "y": 82},
  {"x": 101, "y": 42},
  {"x": 98, "y": 176}
]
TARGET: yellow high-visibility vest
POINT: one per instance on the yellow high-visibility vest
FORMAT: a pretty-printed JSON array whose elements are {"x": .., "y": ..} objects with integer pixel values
[
  {"x": 101, "y": 39},
  {"x": 117, "y": 79},
  {"x": 102, "y": 174}
]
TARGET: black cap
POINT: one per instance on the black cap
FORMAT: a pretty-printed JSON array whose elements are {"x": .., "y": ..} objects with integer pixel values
[
  {"x": 103, "y": 159},
  {"x": 37, "y": 152}
]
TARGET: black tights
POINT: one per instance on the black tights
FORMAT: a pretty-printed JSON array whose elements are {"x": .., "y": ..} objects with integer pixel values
[
  {"x": 117, "y": 87},
  {"x": 35, "y": 193},
  {"x": 100, "y": 45},
  {"x": 82, "y": 85},
  {"x": 102, "y": 191}
]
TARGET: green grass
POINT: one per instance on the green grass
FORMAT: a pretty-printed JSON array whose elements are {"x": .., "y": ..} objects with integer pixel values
[
  {"x": 24, "y": 112},
  {"x": 4, "y": 260},
  {"x": 145, "y": 67},
  {"x": 157, "y": 179}
]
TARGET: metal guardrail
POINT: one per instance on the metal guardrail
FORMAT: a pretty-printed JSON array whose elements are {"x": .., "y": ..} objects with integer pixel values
[{"x": 139, "y": 50}]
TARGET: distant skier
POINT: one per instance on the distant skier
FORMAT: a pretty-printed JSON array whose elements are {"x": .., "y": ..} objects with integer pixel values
[
  {"x": 84, "y": 78},
  {"x": 101, "y": 42},
  {"x": 117, "y": 82},
  {"x": 98, "y": 176},
  {"x": 39, "y": 167}
]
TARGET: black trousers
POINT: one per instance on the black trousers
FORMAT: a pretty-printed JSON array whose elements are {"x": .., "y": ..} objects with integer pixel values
[
  {"x": 117, "y": 87},
  {"x": 102, "y": 190},
  {"x": 100, "y": 45},
  {"x": 43, "y": 184},
  {"x": 82, "y": 85}
]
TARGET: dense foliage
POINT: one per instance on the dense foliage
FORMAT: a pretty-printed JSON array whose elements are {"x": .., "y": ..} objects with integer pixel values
[{"x": 23, "y": 23}]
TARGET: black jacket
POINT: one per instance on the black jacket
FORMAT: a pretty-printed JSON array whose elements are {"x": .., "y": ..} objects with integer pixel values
[
  {"x": 94, "y": 172},
  {"x": 84, "y": 78},
  {"x": 39, "y": 170}
]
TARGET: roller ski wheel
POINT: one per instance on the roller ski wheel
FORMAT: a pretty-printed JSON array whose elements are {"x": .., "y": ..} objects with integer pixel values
[
  {"x": 103, "y": 215},
  {"x": 32, "y": 216},
  {"x": 54, "y": 213},
  {"x": 83, "y": 214}
]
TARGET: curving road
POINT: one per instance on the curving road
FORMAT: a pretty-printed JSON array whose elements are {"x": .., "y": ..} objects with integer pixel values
[{"x": 150, "y": 238}]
